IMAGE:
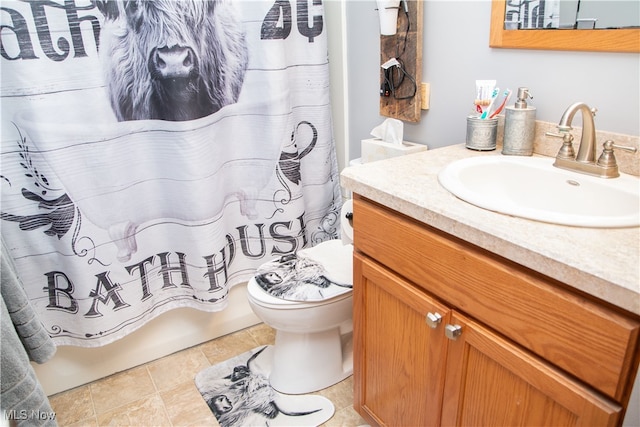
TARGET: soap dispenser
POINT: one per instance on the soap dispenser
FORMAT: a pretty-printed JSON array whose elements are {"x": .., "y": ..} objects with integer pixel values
[{"x": 519, "y": 126}]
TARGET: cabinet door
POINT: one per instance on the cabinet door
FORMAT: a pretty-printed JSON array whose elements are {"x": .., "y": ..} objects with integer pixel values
[
  {"x": 490, "y": 381},
  {"x": 399, "y": 359}
]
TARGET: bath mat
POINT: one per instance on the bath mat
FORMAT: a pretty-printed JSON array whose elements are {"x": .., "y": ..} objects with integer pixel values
[{"x": 238, "y": 393}]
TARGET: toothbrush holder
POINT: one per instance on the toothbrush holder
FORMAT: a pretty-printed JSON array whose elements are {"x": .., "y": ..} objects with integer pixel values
[{"x": 481, "y": 133}]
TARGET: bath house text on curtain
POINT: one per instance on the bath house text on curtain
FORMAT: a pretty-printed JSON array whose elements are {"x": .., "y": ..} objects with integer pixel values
[{"x": 155, "y": 153}]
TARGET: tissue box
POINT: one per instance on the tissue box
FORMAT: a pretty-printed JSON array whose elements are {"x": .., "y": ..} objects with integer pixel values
[{"x": 376, "y": 149}]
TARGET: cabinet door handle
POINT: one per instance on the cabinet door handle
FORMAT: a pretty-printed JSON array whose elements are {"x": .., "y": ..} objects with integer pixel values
[
  {"x": 433, "y": 319},
  {"x": 452, "y": 331}
]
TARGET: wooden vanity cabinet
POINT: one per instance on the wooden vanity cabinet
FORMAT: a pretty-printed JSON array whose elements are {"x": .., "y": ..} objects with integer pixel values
[
  {"x": 400, "y": 360},
  {"x": 448, "y": 334}
]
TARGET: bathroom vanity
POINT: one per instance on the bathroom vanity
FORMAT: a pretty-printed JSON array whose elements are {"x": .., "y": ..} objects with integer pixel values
[{"x": 463, "y": 316}]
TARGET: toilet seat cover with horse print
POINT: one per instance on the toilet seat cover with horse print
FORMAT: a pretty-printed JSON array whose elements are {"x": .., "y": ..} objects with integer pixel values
[{"x": 313, "y": 274}]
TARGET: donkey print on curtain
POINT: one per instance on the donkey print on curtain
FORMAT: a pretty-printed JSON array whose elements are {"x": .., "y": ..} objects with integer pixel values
[{"x": 155, "y": 153}]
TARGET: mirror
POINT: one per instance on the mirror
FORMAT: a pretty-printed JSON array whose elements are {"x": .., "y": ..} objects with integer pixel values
[
  {"x": 572, "y": 14},
  {"x": 601, "y": 40},
  {"x": 607, "y": 14}
]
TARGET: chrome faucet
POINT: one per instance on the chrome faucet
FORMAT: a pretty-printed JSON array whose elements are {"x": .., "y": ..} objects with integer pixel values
[{"x": 585, "y": 162}]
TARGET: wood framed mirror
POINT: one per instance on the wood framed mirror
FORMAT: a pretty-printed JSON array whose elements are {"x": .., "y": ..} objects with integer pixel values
[{"x": 609, "y": 40}]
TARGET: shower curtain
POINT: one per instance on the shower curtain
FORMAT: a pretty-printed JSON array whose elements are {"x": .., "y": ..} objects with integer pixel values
[{"x": 155, "y": 153}]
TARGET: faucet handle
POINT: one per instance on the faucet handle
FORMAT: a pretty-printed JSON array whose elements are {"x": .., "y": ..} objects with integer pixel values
[
  {"x": 562, "y": 134},
  {"x": 607, "y": 158},
  {"x": 566, "y": 151},
  {"x": 611, "y": 144}
]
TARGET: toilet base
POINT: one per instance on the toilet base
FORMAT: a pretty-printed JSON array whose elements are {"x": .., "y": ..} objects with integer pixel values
[{"x": 304, "y": 363}]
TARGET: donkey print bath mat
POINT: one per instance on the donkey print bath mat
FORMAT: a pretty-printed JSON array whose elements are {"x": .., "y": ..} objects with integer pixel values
[{"x": 238, "y": 393}]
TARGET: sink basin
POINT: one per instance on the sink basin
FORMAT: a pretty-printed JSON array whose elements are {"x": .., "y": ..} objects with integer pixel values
[{"x": 531, "y": 187}]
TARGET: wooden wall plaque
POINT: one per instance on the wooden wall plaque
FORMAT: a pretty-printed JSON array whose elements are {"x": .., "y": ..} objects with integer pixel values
[{"x": 411, "y": 58}]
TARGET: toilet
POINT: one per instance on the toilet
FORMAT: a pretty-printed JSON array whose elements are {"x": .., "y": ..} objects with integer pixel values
[{"x": 307, "y": 298}]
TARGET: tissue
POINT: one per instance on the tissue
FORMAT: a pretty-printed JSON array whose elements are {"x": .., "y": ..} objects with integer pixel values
[
  {"x": 389, "y": 131},
  {"x": 388, "y": 142}
]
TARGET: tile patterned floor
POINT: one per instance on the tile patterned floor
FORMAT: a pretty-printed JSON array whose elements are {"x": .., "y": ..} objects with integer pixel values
[{"x": 163, "y": 393}]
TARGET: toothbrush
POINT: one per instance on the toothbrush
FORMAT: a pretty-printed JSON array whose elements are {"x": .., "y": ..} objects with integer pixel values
[
  {"x": 494, "y": 95},
  {"x": 506, "y": 96}
]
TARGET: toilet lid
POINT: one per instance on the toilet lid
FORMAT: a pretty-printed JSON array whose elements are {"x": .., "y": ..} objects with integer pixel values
[
  {"x": 314, "y": 274},
  {"x": 260, "y": 297}
]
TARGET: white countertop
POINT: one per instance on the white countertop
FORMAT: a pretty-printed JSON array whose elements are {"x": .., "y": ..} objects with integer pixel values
[{"x": 604, "y": 263}]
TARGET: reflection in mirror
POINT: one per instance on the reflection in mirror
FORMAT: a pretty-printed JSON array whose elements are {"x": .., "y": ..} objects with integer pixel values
[
  {"x": 597, "y": 40},
  {"x": 609, "y": 14},
  {"x": 579, "y": 14},
  {"x": 527, "y": 14}
]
